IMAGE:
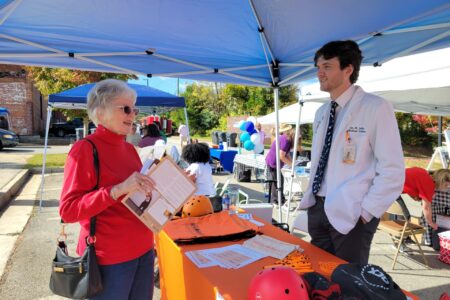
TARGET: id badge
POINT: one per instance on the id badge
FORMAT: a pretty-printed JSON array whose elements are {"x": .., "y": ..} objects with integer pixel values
[{"x": 349, "y": 153}]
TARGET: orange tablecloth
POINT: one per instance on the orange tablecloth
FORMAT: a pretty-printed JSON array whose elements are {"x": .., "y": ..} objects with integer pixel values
[{"x": 181, "y": 279}]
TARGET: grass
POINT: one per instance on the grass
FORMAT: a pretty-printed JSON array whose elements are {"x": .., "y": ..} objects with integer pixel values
[{"x": 52, "y": 161}]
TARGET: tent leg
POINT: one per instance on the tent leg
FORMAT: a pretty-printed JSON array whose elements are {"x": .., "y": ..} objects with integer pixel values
[
  {"x": 294, "y": 157},
  {"x": 187, "y": 125},
  {"x": 440, "y": 131},
  {"x": 277, "y": 151},
  {"x": 47, "y": 127}
]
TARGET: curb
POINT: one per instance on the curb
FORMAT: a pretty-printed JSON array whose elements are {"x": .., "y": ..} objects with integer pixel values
[
  {"x": 36, "y": 171},
  {"x": 8, "y": 192},
  {"x": 11, "y": 189}
]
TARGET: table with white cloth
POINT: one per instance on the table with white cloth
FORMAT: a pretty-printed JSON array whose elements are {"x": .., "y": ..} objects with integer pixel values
[{"x": 256, "y": 162}]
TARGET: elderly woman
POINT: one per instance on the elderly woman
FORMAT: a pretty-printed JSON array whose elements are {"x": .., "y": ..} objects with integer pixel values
[{"x": 124, "y": 245}]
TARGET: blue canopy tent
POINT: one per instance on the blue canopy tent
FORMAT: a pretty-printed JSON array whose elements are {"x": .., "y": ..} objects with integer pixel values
[
  {"x": 254, "y": 42},
  {"x": 148, "y": 99}
]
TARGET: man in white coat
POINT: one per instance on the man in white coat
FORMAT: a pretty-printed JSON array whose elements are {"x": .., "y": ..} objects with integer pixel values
[{"x": 357, "y": 168}]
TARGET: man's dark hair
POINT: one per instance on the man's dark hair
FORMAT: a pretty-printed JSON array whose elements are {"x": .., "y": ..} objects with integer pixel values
[
  {"x": 196, "y": 153},
  {"x": 152, "y": 131},
  {"x": 347, "y": 52}
]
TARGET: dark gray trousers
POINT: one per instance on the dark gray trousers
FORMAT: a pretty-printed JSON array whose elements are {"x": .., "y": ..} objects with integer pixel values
[{"x": 353, "y": 247}]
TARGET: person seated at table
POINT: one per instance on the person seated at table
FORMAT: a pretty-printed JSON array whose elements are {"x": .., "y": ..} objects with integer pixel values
[
  {"x": 162, "y": 133},
  {"x": 151, "y": 136},
  {"x": 134, "y": 137},
  {"x": 287, "y": 136},
  {"x": 432, "y": 191},
  {"x": 197, "y": 156}
]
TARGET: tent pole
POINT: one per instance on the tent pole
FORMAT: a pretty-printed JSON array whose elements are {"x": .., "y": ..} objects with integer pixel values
[
  {"x": 187, "y": 125},
  {"x": 294, "y": 156},
  {"x": 47, "y": 127},
  {"x": 277, "y": 151},
  {"x": 440, "y": 131}
]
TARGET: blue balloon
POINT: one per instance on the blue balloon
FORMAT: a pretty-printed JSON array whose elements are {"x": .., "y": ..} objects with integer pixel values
[
  {"x": 245, "y": 137},
  {"x": 242, "y": 127},
  {"x": 249, "y": 126},
  {"x": 252, "y": 132},
  {"x": 248, "y": 145}
]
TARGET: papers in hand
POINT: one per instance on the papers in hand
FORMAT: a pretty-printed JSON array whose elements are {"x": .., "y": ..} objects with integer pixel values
[
  {"x": 172, "y": 189},
  {"x": 237, "y": 256}
]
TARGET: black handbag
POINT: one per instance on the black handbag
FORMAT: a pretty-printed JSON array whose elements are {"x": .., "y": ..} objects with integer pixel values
[{"x": 77, "y": 277}]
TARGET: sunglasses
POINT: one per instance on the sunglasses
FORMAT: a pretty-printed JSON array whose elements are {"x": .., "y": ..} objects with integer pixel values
[{"x": 128, "y": 110}]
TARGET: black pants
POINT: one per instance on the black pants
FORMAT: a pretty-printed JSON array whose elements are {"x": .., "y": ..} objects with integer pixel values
[
  {"x": 353, "y": 247},
  {"x": 273, "y": 188}
]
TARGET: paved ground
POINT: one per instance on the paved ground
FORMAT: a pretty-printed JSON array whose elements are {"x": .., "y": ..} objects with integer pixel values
[{"x": 27, "y": 240}]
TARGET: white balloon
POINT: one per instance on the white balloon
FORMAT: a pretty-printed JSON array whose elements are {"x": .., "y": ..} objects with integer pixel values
[
  {"x": 252, "y": 119},
  {"x": 258, "y": 148},
  {"x": 255, "y": 138}
]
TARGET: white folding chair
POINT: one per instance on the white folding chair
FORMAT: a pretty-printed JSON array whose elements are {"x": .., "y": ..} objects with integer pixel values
[
  {"x": 300, "y": 222},
  {"x": 245, "y": 199}
]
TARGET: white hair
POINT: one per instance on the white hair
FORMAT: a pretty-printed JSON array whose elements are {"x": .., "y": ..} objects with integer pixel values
[{"x": 102, "y": 94}]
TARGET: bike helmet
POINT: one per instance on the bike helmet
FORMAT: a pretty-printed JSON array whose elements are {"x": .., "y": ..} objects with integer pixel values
[
  {"x": 197, "y": 206},
  {"x": 277, "y": 283}
]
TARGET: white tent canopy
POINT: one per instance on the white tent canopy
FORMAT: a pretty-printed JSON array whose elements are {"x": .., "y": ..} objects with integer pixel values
[
  {"x": 416, "y": 84},
  {"x": 290, "y": 113}
]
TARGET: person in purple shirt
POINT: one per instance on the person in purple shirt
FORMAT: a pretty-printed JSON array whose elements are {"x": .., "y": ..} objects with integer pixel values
[
  {"x": 286, "y": 143},
  {"x": 151, "y": 136}
]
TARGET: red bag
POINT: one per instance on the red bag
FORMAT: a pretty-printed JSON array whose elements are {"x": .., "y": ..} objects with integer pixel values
[{"x": 444, "y": 242}]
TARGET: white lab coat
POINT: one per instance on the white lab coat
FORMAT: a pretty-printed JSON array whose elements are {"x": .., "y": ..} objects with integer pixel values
[{"x": 376, "y": 178}]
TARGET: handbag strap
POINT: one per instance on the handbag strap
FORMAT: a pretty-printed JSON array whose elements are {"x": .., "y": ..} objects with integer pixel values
[{"x": 93, "y": 220}]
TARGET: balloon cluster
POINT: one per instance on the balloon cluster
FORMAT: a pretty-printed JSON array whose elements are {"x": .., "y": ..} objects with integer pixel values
[{"x": 250, "y": 137}]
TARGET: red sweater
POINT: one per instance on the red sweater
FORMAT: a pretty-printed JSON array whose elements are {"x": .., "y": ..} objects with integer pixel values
[
  {"x": 418, "y": 183},
  {"x": 120, "y": 235}
]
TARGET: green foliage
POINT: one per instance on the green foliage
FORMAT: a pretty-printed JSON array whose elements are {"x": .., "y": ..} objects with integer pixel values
[
  {"x": 209, "y": 105},
  {"x": 411, "y": 132},
  {"x": 54, "y": 80}
]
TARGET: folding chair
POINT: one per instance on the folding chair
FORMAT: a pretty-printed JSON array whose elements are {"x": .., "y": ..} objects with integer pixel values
[
  {"x": 245, "y": 199},
  {"x": 220, "y": 190},
  {"x": 399, "y": 230}
]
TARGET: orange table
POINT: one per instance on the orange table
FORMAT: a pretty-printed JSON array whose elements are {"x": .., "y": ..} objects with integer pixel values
[{"x": 181, "y": 279}]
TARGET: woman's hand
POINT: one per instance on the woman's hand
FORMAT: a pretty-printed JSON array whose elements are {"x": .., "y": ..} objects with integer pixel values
[{"x": 136, "y": 182}]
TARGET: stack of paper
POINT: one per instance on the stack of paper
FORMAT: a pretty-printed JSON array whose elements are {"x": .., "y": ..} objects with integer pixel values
[
  {"x": 270, "y": 246},
  {"x": 237, "y": 256},
  {"x": 229, "y": 257}
]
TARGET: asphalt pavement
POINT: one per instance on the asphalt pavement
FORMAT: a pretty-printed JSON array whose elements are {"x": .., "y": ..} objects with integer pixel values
[{"x": 28, "y": 237}]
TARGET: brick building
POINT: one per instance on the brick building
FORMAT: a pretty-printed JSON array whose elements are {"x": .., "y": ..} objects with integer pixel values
[{"x": 23, "y": 100}]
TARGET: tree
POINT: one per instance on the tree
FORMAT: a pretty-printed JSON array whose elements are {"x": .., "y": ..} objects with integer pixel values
[
  {"x": 209, "y": 105},
  {"x": 54, "y": 80}
]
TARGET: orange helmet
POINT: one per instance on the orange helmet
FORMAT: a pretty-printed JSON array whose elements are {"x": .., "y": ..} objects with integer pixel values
[{"x": 197, "y": 206}]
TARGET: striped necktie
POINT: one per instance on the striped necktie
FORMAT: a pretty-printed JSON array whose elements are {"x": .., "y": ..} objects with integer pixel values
[{"x": 325, "y": 150}]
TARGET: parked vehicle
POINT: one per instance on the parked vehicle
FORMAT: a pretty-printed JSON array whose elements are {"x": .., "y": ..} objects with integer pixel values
[
  {"x": 62, "y": 129},
  {"x": 8, "y": 139}
]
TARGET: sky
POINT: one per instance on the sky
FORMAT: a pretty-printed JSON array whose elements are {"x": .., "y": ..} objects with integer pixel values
[{"x": 165, "y": 84}]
